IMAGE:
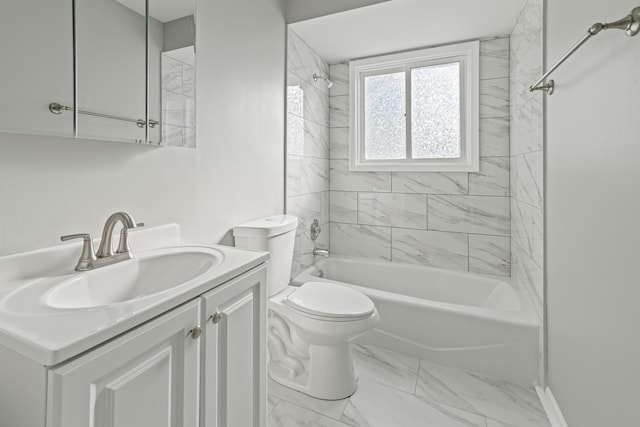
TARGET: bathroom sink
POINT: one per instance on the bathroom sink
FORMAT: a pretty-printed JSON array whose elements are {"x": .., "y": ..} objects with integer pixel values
[
  {"x": 49, "y": 312},
  {"x": 148, "y": 274}
]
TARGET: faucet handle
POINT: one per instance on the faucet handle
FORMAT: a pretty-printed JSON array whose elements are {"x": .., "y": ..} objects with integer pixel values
[
  {"x": 87, "y": 257},
  {"x": 123, "y": 246}
]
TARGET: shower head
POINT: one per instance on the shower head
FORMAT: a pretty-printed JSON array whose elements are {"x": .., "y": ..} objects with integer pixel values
[{"x": 326, "y": 80}]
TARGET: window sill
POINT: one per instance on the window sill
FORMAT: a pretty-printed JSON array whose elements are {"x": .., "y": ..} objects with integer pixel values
[{"x": 435, "y": 166}]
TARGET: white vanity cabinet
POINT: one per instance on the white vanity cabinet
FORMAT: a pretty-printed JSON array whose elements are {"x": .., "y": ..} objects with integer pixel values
[
  {"x": 160, "y": 373},
  {"x": 234, "y": 353},
  {"x": 147, "y": 377}
]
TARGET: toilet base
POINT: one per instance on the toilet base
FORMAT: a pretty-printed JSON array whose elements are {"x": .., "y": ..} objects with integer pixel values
[
  {"x": 312, "y": 354},
  {"x": 329, "y": 374}
]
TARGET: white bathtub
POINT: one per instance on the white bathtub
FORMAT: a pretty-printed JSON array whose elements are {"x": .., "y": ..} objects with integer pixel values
[{"x": 468, "y": 321}]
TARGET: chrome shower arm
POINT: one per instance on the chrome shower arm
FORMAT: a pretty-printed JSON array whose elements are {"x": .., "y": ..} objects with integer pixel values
[{"x": 549, "y": 87}]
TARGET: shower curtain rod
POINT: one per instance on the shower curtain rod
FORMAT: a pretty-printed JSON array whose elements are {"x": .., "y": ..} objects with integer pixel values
[{"x": 630, "y": 24}]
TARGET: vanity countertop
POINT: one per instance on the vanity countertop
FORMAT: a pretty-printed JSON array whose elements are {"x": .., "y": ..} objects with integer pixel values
[{"x": 51, "y": 335}]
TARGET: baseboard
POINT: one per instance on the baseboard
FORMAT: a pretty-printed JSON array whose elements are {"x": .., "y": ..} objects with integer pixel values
[{"x": 551, "y": 407}]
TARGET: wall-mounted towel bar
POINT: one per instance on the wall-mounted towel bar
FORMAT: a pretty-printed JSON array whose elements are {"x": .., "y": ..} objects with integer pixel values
[
  {"x": 630, "y": 24},
  {"x": 56, "y": 108}
]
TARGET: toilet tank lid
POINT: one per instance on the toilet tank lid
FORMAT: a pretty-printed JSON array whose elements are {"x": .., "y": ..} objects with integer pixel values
[{"x": 266, "y": 227}]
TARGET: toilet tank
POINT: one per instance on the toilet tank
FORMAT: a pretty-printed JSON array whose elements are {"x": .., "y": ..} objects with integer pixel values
[{"x": 275, "y": 234}]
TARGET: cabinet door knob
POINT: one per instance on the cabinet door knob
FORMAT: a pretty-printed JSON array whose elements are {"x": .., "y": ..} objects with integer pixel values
[
  {"x": 215, "y": 317},
  {"x": 196, "y": 332}
]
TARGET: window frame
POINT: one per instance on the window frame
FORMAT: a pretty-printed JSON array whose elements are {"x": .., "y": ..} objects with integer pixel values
[{"x": 467, "y": 54}]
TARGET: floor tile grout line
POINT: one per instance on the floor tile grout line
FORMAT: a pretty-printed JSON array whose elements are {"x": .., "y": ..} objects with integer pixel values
[
  {"x": 300, "y": 405},
  {"x": 274, "y": 407},
  {"x": 342, "y": 415},
  {"x": 382, "y": 383},
  {"x": 415, "y": 389},
  {"x": 435, "y": 403}
]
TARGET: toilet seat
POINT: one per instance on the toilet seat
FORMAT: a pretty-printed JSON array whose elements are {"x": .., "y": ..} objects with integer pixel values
[{"x": 329, "y": 301}]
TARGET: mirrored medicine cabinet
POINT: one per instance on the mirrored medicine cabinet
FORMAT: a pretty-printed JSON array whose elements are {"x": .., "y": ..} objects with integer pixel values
[{"x": 112, "y": 70}]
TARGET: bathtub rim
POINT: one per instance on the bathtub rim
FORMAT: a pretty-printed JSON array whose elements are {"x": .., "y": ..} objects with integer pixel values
[{"x": 525, "y": 316}]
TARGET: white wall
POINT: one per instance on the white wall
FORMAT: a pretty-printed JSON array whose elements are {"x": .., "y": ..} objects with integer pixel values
[
  {"x": 53, "y": 186},
  {"x": 593, "y": 217}
]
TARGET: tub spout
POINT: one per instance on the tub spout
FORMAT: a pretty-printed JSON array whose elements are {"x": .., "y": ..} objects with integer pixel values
[{"x": 322, "y": 252}]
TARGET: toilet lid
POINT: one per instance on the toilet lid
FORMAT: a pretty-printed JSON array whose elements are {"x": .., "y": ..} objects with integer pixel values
[{"x": 330, "y": 300}]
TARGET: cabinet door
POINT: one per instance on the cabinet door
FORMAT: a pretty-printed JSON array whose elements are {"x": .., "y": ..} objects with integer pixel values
[
  {"x": 147, "y": 377},
  {"x": 234, "y": 353}
]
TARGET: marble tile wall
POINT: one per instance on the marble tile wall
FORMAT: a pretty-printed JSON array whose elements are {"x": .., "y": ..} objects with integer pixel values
[
  {"x": 178, "y": 102},
  {"x": 307, "y": 147},
  {"x": 527, "y": 154},
  {"x": 457, "y": 221}
]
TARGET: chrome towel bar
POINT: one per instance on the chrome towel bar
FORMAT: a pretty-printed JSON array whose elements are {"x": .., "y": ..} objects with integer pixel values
[
  {"x": 630, "y": 24},
  {"x": 56, "y": 108}
]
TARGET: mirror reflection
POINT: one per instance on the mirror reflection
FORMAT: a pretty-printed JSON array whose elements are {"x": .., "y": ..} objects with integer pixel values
[
  {"x": 111, "y": 75},
  {"x": 134, "y": 70},
  {"x": 178, "y": 86}
]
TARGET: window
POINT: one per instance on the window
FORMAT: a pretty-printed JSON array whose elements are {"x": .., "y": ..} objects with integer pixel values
[{"x": 415, "y": 111}]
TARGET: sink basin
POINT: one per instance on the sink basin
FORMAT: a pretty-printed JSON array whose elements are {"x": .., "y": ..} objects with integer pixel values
[{"x": 149, "y": 274}]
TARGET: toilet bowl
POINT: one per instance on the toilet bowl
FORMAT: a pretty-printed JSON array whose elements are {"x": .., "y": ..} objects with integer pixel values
[
  {"x": 309, "y": 337},
  {"x": 309, "y": 327}
]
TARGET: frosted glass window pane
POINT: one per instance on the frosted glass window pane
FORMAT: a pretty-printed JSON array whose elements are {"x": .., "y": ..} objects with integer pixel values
[
  {"x": 295, "y": 120},
  {"x": 384, "y": 117},
  {"x": 435, "y": 111},
  {"x": 295, "y": 100}
]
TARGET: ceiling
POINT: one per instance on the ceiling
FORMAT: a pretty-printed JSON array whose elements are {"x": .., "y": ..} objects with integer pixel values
[
  {"x": 406, "y": 24},
  {"x": 162, "y": 10},
  {"x": 300, "y": 10}
]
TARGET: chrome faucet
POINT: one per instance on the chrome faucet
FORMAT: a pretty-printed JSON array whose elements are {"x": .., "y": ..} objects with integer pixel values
[
  {"x": 105, "y": 255},
  {"x": 106, "y": 248},
  {"x": 322, "y": 252}
]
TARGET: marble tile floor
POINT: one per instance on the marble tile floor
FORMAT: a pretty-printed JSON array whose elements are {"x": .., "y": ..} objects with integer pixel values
[{"x": 395, "y": 390}]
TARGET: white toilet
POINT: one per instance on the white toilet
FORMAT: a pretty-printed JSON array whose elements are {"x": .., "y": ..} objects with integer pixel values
[{"x": 310, "y": 326}]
